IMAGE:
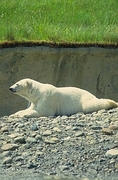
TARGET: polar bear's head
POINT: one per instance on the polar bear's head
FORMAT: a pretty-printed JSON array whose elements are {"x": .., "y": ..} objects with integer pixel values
[
  {"x": 19, "y": 87},
  {"x": 27, "y": 88},
  {"x": 23, "y": 88}
]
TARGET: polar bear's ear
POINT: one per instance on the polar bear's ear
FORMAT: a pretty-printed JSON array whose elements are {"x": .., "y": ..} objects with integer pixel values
[{"x": 28, "y": 83}]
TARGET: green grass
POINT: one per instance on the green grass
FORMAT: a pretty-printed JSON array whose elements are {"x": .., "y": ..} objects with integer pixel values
[{"x": 76, "y": 21}]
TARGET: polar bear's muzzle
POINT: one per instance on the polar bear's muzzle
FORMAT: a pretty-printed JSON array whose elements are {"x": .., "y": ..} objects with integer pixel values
[{"x": 12, "y": 89}]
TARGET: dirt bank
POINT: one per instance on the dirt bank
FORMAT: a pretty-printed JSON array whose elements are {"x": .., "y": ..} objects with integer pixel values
[{"x": 92, "y": 68}]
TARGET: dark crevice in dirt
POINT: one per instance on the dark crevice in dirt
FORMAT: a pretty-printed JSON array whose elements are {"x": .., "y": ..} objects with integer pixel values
[{"x": 13, "y": 44}]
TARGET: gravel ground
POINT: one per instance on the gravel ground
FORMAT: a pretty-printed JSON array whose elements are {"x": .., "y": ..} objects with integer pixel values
[{"x": 80, "y": 146}]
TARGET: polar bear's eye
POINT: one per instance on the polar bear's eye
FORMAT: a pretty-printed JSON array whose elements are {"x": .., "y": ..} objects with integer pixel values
[{"x": 17, "y": 84}]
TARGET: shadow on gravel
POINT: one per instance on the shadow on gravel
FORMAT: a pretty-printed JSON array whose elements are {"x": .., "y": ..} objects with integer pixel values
[{"x": 35, "y": 176}]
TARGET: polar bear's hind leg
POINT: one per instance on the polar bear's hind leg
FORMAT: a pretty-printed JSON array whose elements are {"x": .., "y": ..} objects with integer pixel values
[
  {"x": 111, "y": 104},
  {"x": 98, "y": 104}
]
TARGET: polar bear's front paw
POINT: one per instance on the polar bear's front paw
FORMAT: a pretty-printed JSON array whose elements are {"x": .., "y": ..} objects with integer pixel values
[
  {"x": 25, "y": 114},
  {"x": 12, "y": 116},
  {"x": 17, "y": 115}
]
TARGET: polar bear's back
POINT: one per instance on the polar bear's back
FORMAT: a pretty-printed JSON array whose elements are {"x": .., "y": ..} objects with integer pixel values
[
  {"x": 70, "y": 100},
  {"x": 62, "y": 101}
]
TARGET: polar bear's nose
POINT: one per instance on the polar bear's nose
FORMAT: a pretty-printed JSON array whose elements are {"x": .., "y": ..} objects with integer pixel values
[{"x": 11, "y": 89}]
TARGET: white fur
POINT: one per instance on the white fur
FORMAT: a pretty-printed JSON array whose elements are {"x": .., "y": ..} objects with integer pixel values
[{"x": 48, "y": 100}]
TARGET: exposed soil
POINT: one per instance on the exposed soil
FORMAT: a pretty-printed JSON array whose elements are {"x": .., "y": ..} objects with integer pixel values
[{"x": 93, "y": 67}]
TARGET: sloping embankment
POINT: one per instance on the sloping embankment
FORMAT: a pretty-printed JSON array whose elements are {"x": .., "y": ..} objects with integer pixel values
[{"x": 94, "y": 68}]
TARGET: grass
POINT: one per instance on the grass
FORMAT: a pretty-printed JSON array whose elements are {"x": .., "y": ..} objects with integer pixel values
[{"x": 76, "y": 21}]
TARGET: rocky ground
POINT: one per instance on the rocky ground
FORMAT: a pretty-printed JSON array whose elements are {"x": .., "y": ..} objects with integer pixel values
[{"x": 79, "y": 146}]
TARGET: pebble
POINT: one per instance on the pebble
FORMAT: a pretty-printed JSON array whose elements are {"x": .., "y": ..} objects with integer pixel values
[
  {"x": 55, "y": 120},
  {"x": 39, "y": 153},
  {"x": 25, "y": 154},
  {"x": 112, "y": 152},
  {"x": 14, "y": 135},
  {"x": 64, "y": 117},
  {"x": 7, "y": 160},
  {"x": 8, "y": 147},
  {"x": 38, "y": 137},
  {"x": 75, "y": 128},
  {"x": 55, "y": 139},
  {"x": 67, "y": 138},
  {"x": 79, "y": 133},
  {"x": 34, "y": 127},
  {"x": 63, "y": 168},
  {"x": 114, "y": 126},
  {"x": 81, "y": 145},
  {"x": 116, "y": 165},
  {"x": 52, "y": 140},
  {"x": 47, "y": 133},
  {"x": 56, "y": 129},
  {"x": 19, "y": 139},
  {"x": 107, "y": 131},
  {"x": 31, "y": 140},
  {"x": 4, "y": 129},
  {"x": 19, "y": 158},
  {"x": 6, "y": 153},
  {"x": 96, "y": 127}
]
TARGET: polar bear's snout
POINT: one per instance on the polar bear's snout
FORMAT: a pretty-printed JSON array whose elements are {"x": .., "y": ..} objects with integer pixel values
[{"x": 12, "y": 89}]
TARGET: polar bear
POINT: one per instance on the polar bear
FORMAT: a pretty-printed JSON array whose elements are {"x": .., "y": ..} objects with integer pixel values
[{"x": 48, "y": 100}]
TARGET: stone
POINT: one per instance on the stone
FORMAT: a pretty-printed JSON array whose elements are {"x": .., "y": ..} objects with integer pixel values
[
  {"x": 55, "y": 139},
  {"x": 113, "y": 119},
  {"x": 68, "y": 127},
  {"x": 31, "y": 140},
  {"x": 112, "y": 152},
  {"x": 6, "y": 153},
  {"x": 14, "y": 135},
  {"x": 107, "y": 131},
  {"x": 52, "y": 140},
  {"x": 64, "y": 117},
  {"x": 38, "y": 137},
  {"x": 55, "y": 120},
  {"x": 25, "y": 154},
  {"x": 33, "y": 134},
  {"x": 116, "y": 165},
  {"x": 8, "y": 147},
  {"x": 113, "y": 126},
  {"x": 20, "y": 139},
  {"x": 39, "y": 153},
  {"x": 7, "y": 160},
  {"x": 19, "y": 158},
  {"x": 20, "y": 125},
  {"x": 47, "y": 133},
  {"x": 101, "y": 111},
  {"x": 34, "y": 127},
  {"x": 67, "y": 138},
  {"x": 56, "y": 129},
  {"x": 75, "y": 128},
  {"x": 96, "y": 127},
  {"x": 4, "y": 129},
  {"x": 31, "y": 165},
  {"x": 79, "y": 133},
  {"x": 63, "y": 167}
]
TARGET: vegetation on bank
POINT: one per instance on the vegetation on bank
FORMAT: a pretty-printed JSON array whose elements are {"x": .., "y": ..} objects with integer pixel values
[{"x": 71, "y": 21}]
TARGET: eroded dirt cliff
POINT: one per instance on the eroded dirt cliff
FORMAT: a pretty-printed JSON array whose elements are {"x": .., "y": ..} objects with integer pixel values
[{"x": 92, "y": 68}]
